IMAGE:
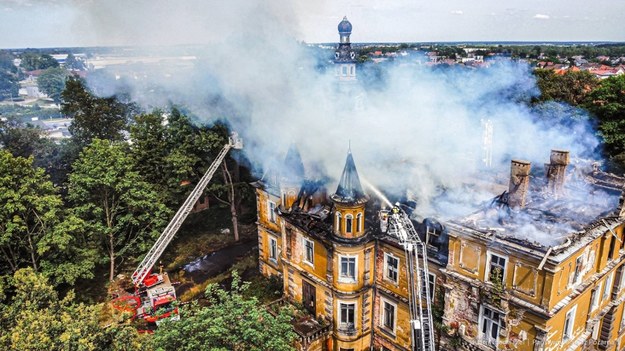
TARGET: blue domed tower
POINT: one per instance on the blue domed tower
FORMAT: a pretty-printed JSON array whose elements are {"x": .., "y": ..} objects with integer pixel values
[{"x": 344, "y": 56}]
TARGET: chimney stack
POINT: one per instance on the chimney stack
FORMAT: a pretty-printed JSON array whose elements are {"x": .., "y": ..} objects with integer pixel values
[
  {"x": 519, "y": 183},
  {"x": 556, "y": 172}
]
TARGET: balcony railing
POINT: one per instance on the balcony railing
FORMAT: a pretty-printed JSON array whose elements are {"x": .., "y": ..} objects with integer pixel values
[{"x": 307, "y": 328}]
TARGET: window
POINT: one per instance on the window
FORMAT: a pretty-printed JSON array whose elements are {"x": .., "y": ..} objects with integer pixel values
[
  {"x": 622, "y": 325},
  {"x": 271, "y": 211},
  {"x": 359, "y": 223},
  {"x": 348, "y": 268},
  {"x": 388, "y": 315},
  {"x": 594, "y": 298},
  {"x": 431, "y": 235},
  {"x": 273, "y": 249},
  {"x": 347, "y": 315},
  {"x": 431, "y": 284},
  {"x": 309, "y": 251},
  {"x": 611, "y": 250},
  {"x": 496, "y": 269},
  {"x": 569, "y": 321},
  {"x": 349, "y": 219},
  {"x": 621, "y": 284},
  {"x": 607, "y": 287},
  {"x": 490, "y": 322},
  {"x": 338, "y": 222},
  {"x": 391, "y": 264},
  {"x": 283, "y": 199},
  {"x": 344, "y": 69},
  {"x": 578, "y": 269}
]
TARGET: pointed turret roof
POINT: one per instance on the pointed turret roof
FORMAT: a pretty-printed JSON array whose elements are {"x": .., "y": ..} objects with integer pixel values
[
  {"x": 293, "y": 168},
  {"x": 349, "y": 189}
]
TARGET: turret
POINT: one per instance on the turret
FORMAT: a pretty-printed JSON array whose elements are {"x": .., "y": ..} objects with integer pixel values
[
  {"x": 344, "y": 56},
  {"x": 349, "y": 203}
]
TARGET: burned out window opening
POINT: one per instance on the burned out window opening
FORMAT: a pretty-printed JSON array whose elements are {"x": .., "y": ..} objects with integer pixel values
[
  {"x": 347, "y": 272},
  {"x": 594, "y": 297},
  {"x": 496, "y": 268},
  {"x": 347, "y": 312},
  {"x": 309, "y": 251},
  {"x": 569, "y": 322},
  {"x": 359, "y": 222},
  {"x": 349, "y": 219},
  {"x": 388, "y": 316},
  {"x": 391, "y": 266},
  {"x": 432, "y": 235},
  {"x": 490, "y": 324},
  {"x": 612, "y": 246}
]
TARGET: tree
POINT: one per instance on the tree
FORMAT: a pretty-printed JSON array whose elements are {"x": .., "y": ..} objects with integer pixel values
[
  {"x": 52, "y": 82},
  {"x": 72, "y": 63},
  {"x": 229, "y": 322},
  {"x": 571, "y": 87},
  {"x": 607, "y": 103},
  {"x": 33, "y": 61},
  {"x": 121, "y": 210},
  {"x": 35, "y": 231},
  {"x": 36, "y": 318},
  {"x": 94, "y": 117},
  {"x": 9, "y": 85}
]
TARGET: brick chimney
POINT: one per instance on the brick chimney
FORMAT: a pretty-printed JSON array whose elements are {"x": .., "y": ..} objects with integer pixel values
[
  {"x": 519, "y": 183},
  {"x": 556, "y": 172}
]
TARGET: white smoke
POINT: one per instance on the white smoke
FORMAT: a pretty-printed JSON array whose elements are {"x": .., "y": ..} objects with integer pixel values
[{"x": 418, "y": 134}]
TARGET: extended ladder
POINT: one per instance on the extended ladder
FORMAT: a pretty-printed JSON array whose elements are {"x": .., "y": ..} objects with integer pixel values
[
  {"x": 144, "y": 269},
  {"x": 420, "y": 301}
]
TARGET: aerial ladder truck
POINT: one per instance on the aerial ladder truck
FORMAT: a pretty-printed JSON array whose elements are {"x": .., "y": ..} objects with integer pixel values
[
  {"x": 154, "y": 292},
  {"x": 397, "y": 224}
]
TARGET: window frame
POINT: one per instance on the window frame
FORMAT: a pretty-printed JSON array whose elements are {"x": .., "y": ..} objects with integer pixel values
[
  {"x": 489, "y": 262},
  {"x": 577, "y": 271},
  {"x": 359, "y": 225},
  {"x": 273, "y": 241},
  {"x": 339, "y": 219},
  {"x": 388, "y": 255},
  {"x": 484, "y": 321},
  {"x": 349, "y": 224},
  {"x": 383, "y": 316},
  {"x": 345, "y": 326},
  {"x": 345, "y": 278},
  {"x": 607, "y": 288},
  {"x": 312, "y": 252},
  {"x": 432, "y": 285},
  {"x": 567, "y": 331},
  {"x": 594, "y": 297},
  {"x": 271, "y": 213}
]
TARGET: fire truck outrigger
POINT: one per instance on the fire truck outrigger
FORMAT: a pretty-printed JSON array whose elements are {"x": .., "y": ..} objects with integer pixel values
[
  {"x": 154, "y": 293},
  {"x": 397, "y": 224}
]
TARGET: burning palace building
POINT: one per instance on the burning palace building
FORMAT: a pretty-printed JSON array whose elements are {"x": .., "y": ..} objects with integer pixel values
[{"x": 536, "y": 268}]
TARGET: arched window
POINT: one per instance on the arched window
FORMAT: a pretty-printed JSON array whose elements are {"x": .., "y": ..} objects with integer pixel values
[
  {"x": 359, "y": 222},
  {"x": 338, "y": 221},
  {"x": 348, "y": 223}
]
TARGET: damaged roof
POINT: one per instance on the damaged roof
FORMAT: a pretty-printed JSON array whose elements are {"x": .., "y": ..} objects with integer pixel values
[{"x": 349, "y": 189}]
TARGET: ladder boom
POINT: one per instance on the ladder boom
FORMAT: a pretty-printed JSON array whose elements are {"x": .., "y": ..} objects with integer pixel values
[{"x": 144, "y": 269}]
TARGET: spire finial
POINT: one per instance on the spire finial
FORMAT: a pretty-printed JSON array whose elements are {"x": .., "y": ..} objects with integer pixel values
[{"x": 349, "y": 146}]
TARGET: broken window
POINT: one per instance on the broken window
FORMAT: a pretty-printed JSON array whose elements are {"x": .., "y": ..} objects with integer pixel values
[
  {"x": 489, "y": 326},
  {"x": 388, "y": 316},
  {"x": 348, "y": 268},
  {"x": 578, "y": 270},
  {"x": 347, "y": 315},
  {"x": 273, "y": 249},
  {"x": 496, "y": 268},
  {"x": 431, "y": 284},
  {"x": 569, "y": 321},
  {"x": 391, "y": 264},
  {"x": 271, "y": 211},
  {"x": 309, "y": 251},
  {"x": 431, "y": 235}
]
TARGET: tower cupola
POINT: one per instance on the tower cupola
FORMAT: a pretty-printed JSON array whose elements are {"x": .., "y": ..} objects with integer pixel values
[
  {"x": 291, "y": 177},
  {"x": 345, "y": 29},
  {"x": 344, "y": 56},
  {"x": 349, "y": 202}
]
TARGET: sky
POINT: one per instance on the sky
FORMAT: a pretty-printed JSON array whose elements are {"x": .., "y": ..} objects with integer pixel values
[{"x": 51, "y": 23}]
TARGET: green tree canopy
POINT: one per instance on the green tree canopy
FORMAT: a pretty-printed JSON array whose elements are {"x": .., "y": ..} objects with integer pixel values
[
  {"x": 571, "y": 87},
  {"x": 33, "y": 61},
  {"x": 94, "y": 117},
  {"x": 122, "y": 212},
  {"x": 35, "y": 318},
  {"x": 35, "y": 231},
  {"x": 607, "y": 103},
  {"x": 231, "y": 322},
  {"x": 52, "y": 82},
  {"x": 71, "y": 62}
]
